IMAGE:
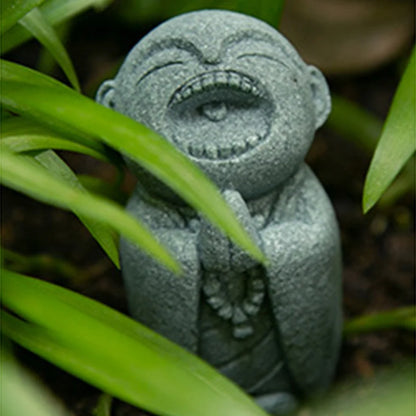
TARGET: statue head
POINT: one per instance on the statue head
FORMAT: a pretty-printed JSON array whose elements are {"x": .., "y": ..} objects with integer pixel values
[{"x": 227, "y": 90}]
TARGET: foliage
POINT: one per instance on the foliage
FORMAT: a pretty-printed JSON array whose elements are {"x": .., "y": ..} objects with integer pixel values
[
  {"x": 114, "y": 352},
  {"x": 397, "y": 142},
  {"x": 389, "y": 392},
  {"x": 69, "y": 114},
  {"x": 399, "y": 318},
  {"x": 88, "y": 339},
  {"x": 20, "y": 391}
]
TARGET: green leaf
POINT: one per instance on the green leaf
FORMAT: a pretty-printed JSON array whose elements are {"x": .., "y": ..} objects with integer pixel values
[
  {"x": 13, "y": 10},
  {"x": 389, "y": 392},
  {"x": 22, "y": 135},
  {"x": 14, "y": 72},
  {"x": 31, "y": 142},
  {"x": 36, "y": 24},
  {"x": 43, "y": 263},
  {"x": 103, "y": 406},
  {"x": 103, "y": 188},
  {"x": 397, "y": 142},
  {"x": 102, "y": 233},
  {"x": 19, "y": 173},
  {"x": 55, "y": 12},
  {"x": 61, "y": 108},
  {"x": 363, "y": 128},
  {"x": 115, "y": 353},
  {"x": 22, "y": 394},
  {"x": 398, "y": 318}
]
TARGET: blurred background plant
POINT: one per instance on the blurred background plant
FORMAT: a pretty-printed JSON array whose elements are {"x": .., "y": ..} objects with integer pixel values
[{"x": 364, "y": 49}]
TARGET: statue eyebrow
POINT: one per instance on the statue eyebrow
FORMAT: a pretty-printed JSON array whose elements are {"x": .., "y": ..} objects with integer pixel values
[
  {"x": 255, "y": 35},
  {"x": 265, "y": 56},
  {"x": 156, "y": 68},
  {"x": 171, "y": 43}
]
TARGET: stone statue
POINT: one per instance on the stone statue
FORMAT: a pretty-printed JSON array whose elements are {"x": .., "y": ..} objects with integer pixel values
[{"x": 232, "y": 94}]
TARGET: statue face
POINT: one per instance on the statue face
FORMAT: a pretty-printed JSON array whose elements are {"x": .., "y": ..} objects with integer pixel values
[{"x": 229, "y": 91}]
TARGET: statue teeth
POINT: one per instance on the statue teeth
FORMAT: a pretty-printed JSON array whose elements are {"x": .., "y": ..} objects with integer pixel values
[
  {"x": 246, "y": 85},
  {"x": 199, "y": 151},
  {"x": 187, "y": 92},
  {"x": 211, "y": 151},
  {"x": 191, "y": 149},
  {"x": 252, "y": 141},
  {"x": 225, "y": 152},
  {"x": 233, "y": 80},
  {"x": 221, "y": 78},
  {"x": 210, "y": 80},
  {"x": 255, "y": 91},
  {"x": 197, "y": 86},
  {"x": 195, "y": 150},
  {"x": 239, "y": 148},
  {"x": 206, "y": 81},
  {"x": 214, "y": 152}
]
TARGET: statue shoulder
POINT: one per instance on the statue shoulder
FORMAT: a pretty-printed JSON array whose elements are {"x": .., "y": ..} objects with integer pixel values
[
  {"x": 302, "y": 198},
  {"x": 156, "y": 213}
]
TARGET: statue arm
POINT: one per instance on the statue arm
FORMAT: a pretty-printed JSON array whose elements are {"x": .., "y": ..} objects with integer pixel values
[
  {"x": 304, "y": 281},
  {"x": 159, "y": 299}
]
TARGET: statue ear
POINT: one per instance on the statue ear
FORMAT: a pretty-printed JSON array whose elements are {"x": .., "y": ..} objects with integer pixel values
[
  {"x": 320, "y": 95},
  {"x": 105, "y": 94}
]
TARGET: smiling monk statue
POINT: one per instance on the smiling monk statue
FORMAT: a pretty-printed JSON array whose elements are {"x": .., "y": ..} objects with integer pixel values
[{"x": 233, "y": 95}]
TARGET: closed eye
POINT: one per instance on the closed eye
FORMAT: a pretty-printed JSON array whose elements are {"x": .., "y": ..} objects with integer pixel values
[
  {"x": 157, "y": 68},
  {"x": 262, "y": 55}
]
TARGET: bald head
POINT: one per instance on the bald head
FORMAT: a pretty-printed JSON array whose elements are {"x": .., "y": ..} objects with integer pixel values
[
  {"x": 209, "y": 34},
  {"x": 229, "y": 91}
]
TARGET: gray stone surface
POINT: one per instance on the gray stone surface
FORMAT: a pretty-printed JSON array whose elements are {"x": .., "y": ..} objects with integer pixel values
[{"x": 231, "y": 93}]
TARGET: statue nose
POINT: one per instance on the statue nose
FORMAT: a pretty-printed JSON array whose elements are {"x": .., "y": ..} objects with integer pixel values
[{"x": 212, "y": 56}]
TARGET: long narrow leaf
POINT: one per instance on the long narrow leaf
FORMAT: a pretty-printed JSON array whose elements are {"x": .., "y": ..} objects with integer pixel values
[
  {"x": 22, "y": 135},
  {"x": 103, "y": 234},
  {"x": 55, "y": 12},
  {"x": 43, "y": 263},
  {"x": 398, "y": 318},
  {"x": 390, "y": 392},
  {"x": 36, "y": 24},
  {"x": 104, "y": 404},
  {"x": 63, "y": 108},
  {"x": 101, "y": 187},
  {"x": 28, "y": 143},
  {"x": 18, "y": 173},
  {"x": 397, "y": 143},
  {"x": 13, "y": 10},
  {"x": 15, "y": 72},
  {"x": 135, "y": 365},
  {"x": 21, "y": 393}
]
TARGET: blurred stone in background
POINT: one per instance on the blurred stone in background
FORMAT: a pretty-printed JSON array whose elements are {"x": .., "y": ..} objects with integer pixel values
[{"x": 378, "y": 31}]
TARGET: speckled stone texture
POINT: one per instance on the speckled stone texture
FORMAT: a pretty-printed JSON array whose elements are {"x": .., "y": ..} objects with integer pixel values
[{"x": 232, "y": 94}]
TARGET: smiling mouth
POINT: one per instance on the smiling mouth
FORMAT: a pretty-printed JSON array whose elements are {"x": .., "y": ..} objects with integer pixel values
[{"x": 219, "y": 115}]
